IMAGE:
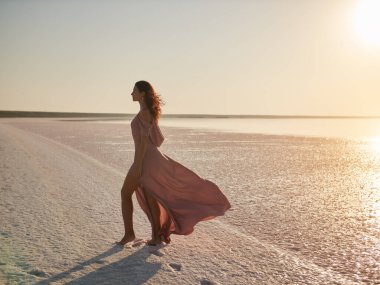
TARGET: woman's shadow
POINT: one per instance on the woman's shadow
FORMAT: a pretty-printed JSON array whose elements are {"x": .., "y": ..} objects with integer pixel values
[{"x": 134, "y": 269}]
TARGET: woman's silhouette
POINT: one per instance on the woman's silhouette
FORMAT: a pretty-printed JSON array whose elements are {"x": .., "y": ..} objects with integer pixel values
[{"x": 173, "y": 197}]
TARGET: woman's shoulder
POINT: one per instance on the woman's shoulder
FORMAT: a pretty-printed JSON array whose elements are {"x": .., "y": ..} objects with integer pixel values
[{"x": 145, "y": 116}]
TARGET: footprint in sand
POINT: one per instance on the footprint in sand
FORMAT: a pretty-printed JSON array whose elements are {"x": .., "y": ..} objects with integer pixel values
[
  {"x": 175, "y": 266},
  {"x": 138, "y": 242},
  {"x": 135, "y": 243},
  {"x": 208, "y": 282},
  {"x": 37, "y": 272},
  {"x": 156, "y": 252}
]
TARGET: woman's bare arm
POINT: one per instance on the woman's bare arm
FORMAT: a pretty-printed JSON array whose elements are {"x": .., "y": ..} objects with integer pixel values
[
  {"x": 140, "y": 148},
  {"x": 140, "y": 153}
]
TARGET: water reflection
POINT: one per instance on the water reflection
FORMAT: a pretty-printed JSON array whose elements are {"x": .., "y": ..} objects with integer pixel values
[
  {"x": 376, "y": 199},
  {"x": 360, "y": 129},
  {"x": 375, "y": 145}
]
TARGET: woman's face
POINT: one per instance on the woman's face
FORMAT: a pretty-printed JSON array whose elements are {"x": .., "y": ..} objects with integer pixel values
[{"x": 136, "y": 94}]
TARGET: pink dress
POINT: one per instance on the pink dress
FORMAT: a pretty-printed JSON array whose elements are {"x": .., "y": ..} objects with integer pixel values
[{"x": 183, "y": 197}]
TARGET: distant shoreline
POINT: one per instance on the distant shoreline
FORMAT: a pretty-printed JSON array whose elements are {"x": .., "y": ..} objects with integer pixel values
[{"x": 32, "y": 114}]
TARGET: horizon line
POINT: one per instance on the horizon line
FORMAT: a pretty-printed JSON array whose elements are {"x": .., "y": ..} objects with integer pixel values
[{"x": 45, "y": 114}]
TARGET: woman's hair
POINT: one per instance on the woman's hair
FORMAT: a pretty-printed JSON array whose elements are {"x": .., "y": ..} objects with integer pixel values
[{"x": 151, "y": 98}]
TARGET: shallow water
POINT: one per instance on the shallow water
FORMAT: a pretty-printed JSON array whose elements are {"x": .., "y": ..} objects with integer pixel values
[
  {"x": 316, "y": 198},
  {"x": 359, "y": 128}
]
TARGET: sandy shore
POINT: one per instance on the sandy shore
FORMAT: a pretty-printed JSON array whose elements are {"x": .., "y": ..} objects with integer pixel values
[{"x": 60, "y": 209}]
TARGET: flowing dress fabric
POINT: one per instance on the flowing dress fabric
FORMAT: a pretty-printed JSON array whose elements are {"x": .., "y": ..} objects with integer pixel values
[{"x": 183, "y": 197}]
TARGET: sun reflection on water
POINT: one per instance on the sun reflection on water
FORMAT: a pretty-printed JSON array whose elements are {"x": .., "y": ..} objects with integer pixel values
[
  {"x": 376, "y": 206},
  {"x": 375, "y": 145},
  {"x": 375, "y": 149}
]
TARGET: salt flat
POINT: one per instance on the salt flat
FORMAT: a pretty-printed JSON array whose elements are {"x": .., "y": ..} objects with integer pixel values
[{"x": 304, "y": 210}]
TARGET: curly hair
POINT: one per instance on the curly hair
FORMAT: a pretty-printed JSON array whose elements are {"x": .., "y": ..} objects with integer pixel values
[{"x": 152, "y": 100}]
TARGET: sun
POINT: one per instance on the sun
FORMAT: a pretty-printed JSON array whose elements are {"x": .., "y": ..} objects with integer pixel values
[{"x": 367, "y": 21}]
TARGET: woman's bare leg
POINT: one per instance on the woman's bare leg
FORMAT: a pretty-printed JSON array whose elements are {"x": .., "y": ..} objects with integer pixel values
[
  {"x": 129, "y": 186},
  {"x": 155, "y": 211}
]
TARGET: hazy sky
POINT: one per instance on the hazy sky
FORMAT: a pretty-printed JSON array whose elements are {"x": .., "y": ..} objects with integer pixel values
[{"x": 285, "y": 57}]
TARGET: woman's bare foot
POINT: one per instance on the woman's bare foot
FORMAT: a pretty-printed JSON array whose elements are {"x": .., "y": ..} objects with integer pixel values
[
  {"x": 126, "y": 239},
  {"x": 154, "y": 242}
]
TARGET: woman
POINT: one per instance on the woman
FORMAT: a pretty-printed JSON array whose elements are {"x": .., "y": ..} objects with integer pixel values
[{"x": 173, "y": 197}]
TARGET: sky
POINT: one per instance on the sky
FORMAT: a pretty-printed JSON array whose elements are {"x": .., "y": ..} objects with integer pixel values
[{"x": 272, "y": 57}]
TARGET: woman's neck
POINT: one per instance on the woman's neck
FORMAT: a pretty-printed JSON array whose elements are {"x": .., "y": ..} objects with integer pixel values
[{"x": 143, "y": 106}]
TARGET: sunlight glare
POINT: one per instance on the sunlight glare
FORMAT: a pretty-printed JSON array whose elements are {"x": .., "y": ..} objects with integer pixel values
[
  {"x": 367, "y": 21},
  {"x": 375, "y": 145}
]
